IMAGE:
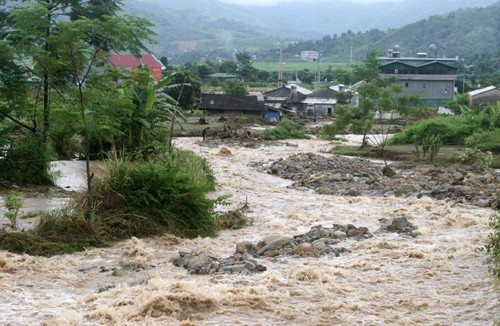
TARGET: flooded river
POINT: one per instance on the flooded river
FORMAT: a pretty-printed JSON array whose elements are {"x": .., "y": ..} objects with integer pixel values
[{"x": 437, "y": 278}]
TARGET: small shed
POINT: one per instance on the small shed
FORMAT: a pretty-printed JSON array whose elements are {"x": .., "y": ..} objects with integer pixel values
[
  {"x": 272, "y": 117},
  {"x": 484, "y": 96},
  {"x": 225, "y": 104}
]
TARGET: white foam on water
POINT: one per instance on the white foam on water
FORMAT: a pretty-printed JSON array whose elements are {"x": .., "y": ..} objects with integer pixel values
[{"x": 437, "y": 278}]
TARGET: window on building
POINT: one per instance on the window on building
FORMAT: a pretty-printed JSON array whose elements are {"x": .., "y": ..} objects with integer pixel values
[
  {"x": 424, "y": 85},
  {"x": 406, "y": 85},
  {"x": 212, "y": 102}
]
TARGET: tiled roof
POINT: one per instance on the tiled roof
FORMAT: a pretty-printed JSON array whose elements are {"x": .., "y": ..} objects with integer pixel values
[{"x": 129, "y": 60}]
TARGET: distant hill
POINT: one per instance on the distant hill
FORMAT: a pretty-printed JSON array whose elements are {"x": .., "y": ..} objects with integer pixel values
[
  {"x": 210, "y": 26},
  {"x": 461, "y": 33}
]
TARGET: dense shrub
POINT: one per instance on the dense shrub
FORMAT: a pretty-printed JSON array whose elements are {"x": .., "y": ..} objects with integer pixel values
[
  {"x": 26, "y": 162},
  {"x": 328, "y": 132},
  {"x": 476, "y": 157},
  {"x": 488, "y": 140},
  {"x": 452, "y": 130},
  {"x": 133, "y": 198},
  {"x": 167, "y": 194},
  {"x": 493, "y": 245},
  {"x": 286, "y": 129}
]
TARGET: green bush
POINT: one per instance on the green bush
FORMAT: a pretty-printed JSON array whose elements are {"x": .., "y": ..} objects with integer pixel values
[
  {"x": 286, "y": 129},
  {"x": 476, "y": 157},
  {"x": 164, "y": 195},
  {"x": 485, "y": 140},
  {"x": 328, "y": 132},
  {"x": 26, "y": 162},
  {"x": 134, "y": 198},
  {"x": 493, "y": 245},
  {"x": 452, "y": 130}
]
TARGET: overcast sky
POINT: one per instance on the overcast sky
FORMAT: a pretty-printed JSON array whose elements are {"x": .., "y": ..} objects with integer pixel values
[{"x": 273, "y": 2}]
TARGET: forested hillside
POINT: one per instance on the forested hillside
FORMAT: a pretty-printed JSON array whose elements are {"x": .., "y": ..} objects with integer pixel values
[
  {"x": 462, "y": 33},
  {"x": 199, "y": 29}
]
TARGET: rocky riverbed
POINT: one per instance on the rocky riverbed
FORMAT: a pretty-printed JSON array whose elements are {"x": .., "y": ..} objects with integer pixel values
[
  {"x": 307, "y": 257},
  {"x": 347, "y": 176}
]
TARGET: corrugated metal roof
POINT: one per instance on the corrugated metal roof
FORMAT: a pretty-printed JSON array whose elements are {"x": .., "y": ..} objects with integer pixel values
[
  {"x": 422, "y": 77},
  {"x": 316, "y": 100},
  {"x": 300, "y": 89},
  {"x": 414, "y": 62},
  {"x": 482, "y": 90}
]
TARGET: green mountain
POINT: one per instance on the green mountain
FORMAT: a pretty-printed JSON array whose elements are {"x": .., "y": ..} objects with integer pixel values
[
  {"x": 461, "y": 33},
  {"x": 200, "y": 29}
]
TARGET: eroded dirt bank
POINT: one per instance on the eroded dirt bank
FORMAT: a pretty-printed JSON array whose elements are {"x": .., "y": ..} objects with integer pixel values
[{"x": 435, "y": 278}]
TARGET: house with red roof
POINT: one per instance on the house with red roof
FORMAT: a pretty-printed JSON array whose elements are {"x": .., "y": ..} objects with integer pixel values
[{"x": 131, "y": 62}]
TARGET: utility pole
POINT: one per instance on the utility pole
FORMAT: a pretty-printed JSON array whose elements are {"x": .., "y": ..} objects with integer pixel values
[
  {"x": 280, "y": 73},
  {"x": 318, "y": 74},
  {"x": 463, "y": 81},
  {"x": 465, "y": 68},
  {"x": 350, "y": 64}
]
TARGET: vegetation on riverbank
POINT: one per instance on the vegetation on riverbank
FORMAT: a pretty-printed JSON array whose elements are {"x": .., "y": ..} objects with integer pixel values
[
  {"x": 493, "y": 245},
  {"x": 165, "y": 193}
]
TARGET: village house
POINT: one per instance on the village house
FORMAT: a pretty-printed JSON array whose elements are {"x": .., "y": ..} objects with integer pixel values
[
  {"x": 321, "y": 102},
  {"x": 432, "y": 78},
  {"x": 484, "y": 96},
  {"x": 231, "y": 104},
  {"x": 287, "y": 98},
  {"x": 131, "y": 62}
]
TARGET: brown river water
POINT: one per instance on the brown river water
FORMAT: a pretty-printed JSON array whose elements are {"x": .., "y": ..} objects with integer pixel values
[{"x": 437, "y": 278}]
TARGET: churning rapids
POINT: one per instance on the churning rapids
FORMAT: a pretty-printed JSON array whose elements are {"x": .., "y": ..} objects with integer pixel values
[{"x": 437, "y": 278}]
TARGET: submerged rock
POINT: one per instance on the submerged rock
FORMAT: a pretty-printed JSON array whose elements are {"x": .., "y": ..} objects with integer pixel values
[{"x": 319, "y": 241}]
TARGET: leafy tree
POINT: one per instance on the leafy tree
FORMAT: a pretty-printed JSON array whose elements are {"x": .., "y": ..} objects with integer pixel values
[
  {"x": 189, "y": 93},
  {"x": 306, "y": 76},
  {"x": 244, "y": 63},
  {"x": 3, "y": 20},
  {"x": 229, "y": 67},
  {"x": 205, "y": 70},
  {"x": 65, "y": 51},
  {"x": 369, "y": 70},
  {"x": 235, "y": 87},
  {"x": 61, "y": 49},
  {"x": 343, "y": 76},
  {"x": 459, "y": 105},
  {"x": 13, "y": 89}
]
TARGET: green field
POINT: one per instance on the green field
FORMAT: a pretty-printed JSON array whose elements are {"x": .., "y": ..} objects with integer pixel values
[{"x": 294, "y": 66}]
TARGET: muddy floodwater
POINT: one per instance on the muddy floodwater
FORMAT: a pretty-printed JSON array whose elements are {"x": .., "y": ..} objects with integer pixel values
[{"x": 437, "y": 278}]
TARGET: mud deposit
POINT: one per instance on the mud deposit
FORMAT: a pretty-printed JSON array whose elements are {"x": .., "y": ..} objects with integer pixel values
[{"x": 435, "y": 277}]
